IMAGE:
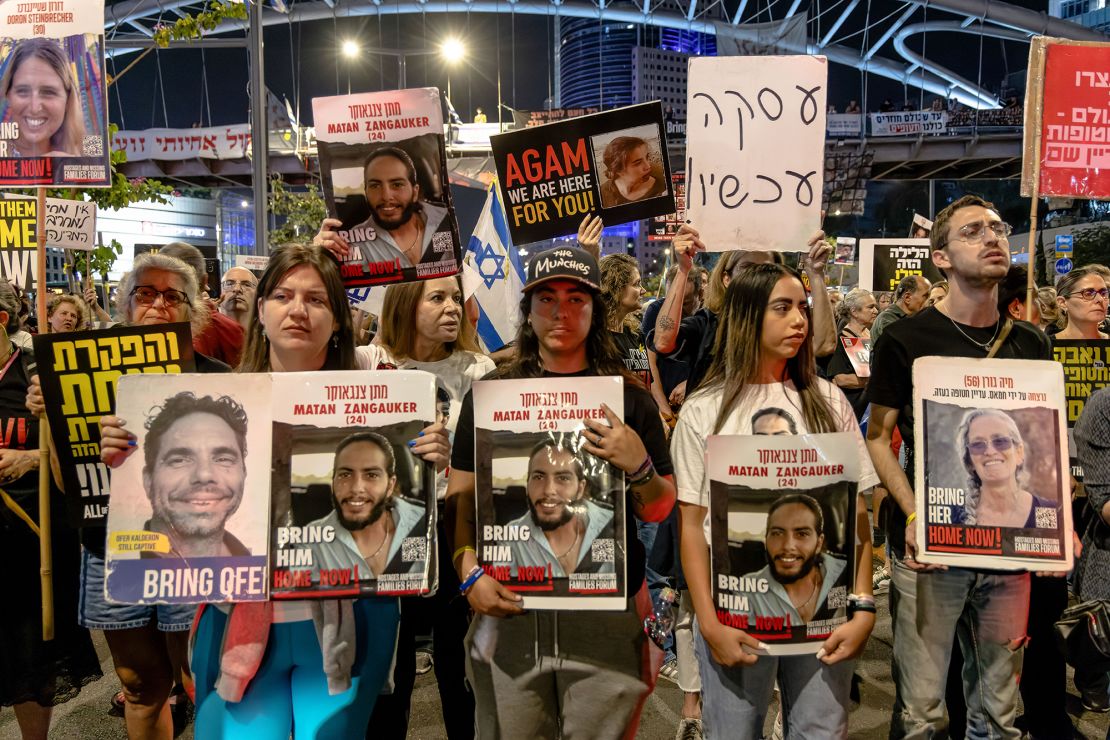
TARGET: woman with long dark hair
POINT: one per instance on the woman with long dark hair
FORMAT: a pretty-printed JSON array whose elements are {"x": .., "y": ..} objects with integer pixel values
[
  {"x": 584, "y": 673},
  {"x": 763, "y": 381}
]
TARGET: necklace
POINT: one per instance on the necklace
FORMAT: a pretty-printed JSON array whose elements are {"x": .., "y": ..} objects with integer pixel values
[
  {"x": 981, "y": 345},
  {"x": 577, "y": 534},
  {"x": 816, "y": 585},
  {"x": 385, "y": 536}
]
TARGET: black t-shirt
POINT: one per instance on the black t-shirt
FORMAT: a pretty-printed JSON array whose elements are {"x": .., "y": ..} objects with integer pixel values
[
  {"x": 640, "y": 413},
  {"x": 93, "y": 538},
  {"x": 633, "y": 353},
  {"x": 930, "y": 333},
  {"x": 674, "y": 367}
]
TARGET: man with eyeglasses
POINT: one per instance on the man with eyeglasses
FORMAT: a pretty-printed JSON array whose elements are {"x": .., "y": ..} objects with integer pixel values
[
  {"x": 933, "y": 606},
  {"x": 239, "y": 289}
]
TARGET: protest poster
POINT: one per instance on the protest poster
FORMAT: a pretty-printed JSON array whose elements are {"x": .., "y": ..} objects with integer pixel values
[
  {"x": 782, "y": 518},
  {"x": 920, "y": 227},
  {"x": 70, "y": 224},
  {"x": 612, "y": 164},
  {"x": 256, "y": 263},
  {"x": 18, "y": 264},
  {"x": 53, "y": 115},
  {"x": 884, "y": 262},
  {"x": 383, "y": 162},
  {"x": 354, "y": 511},
  {"x": 755, "y": 150},
  {"x": 858, "y": 350},
  {"x": 189, "y": 515},
  {"x": 663, "y": 228},
  {"x": 909, "y": 123},
  {"x": 844, "y": 251},
  {"x": 551, "y": 517},
  {"x": 991, "y": 475},
  {"x": 1085, "y": 363},
  {"x": 1066, "y": 137},
  {"x": 78, "y": 372}
]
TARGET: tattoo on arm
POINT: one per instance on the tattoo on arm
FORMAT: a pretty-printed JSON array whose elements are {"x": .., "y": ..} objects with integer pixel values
[{"x": 666, "y": 323}]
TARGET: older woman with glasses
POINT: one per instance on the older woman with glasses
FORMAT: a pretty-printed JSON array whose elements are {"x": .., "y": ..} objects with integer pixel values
[
  {"x": 994, "y": 456},
  {"x": 1082, "y": 298}
]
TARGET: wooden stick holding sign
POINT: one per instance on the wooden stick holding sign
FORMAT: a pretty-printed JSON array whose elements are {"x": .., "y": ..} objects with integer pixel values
[
  {"x": 46, "y": 562},
  {"x": 755, "y": 150}
]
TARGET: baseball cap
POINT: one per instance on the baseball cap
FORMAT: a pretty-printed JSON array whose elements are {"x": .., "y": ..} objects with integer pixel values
[{"x": 564, "y": 263}]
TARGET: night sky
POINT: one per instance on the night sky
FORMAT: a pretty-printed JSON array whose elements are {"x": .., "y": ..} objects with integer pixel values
[{"x": 302, "y": 62}]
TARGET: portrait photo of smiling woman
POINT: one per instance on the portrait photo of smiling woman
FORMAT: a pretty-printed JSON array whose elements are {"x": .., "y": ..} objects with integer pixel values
[{"x": 42, "y": 98}]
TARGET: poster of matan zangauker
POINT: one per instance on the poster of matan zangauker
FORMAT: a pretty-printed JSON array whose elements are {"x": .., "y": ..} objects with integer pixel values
[
  {"x": 53, "y": 111},
  {"x": 383, "y": 161},
  {"x": 189, "y": 512},
  {"x": 551, "y": 516},
  {"x": 354, "y": 510},
  {"x": 991, "y": 478},
  {"x": 755, "y": 150},
  {"x": 782, "y": 520}
]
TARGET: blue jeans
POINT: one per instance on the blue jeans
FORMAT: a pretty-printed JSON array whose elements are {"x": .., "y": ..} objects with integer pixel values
[
  {"x": 987, "y": 612},
  {"x": 735, "y": 700},
  {"x": 95, "y": 612}
]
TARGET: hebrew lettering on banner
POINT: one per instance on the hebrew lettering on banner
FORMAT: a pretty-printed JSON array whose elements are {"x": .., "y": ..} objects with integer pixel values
[
  {"x": 78, "y": 372},
  {"x": 1086, "y": 370},
  {"x": 755, "y": 150}
]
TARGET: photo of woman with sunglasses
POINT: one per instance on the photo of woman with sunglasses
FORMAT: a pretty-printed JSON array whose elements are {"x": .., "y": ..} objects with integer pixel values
[{"x": 994, "y": 457}]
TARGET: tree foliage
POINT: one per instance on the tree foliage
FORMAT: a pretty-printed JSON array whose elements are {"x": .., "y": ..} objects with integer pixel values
[
  {"x": 300, "y": 212},
  {"x": 194, "y": 26}
]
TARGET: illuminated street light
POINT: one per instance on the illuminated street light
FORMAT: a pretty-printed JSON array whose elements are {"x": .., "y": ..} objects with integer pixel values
[
  {"x": 453, "y": 50},
  {"x": 350, "y": 49}
]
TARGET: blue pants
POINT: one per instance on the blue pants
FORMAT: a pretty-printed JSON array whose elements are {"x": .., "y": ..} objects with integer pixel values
[{"x": 290, "y": 691}]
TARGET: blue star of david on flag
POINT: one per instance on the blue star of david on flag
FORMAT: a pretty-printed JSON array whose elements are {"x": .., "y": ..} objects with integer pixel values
[{"x": 482, "y": 259}]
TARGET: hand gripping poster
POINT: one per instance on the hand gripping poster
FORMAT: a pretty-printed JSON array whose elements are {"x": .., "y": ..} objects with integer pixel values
[
  {"x": 782, "y": 512},
  {"x": 551, "y": 516},
  {"x": 991, "y": 478},
  {"x": 78, "y": 372},
  {"x": 384, "y": 166},
  {"x": 1086, "y": 364},
  {"x": 189, "y": 515},
  {"x": 354, "y": 511},
  {"x": 612, "y": 164},
  {"x": 53, "y": 107}
]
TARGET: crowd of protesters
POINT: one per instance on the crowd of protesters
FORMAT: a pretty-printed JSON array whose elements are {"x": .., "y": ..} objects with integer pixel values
[{"x": 753, "y": 333}]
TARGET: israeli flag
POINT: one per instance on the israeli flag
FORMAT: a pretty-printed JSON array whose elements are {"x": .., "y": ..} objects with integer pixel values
[{"x": 494, "y": 275}]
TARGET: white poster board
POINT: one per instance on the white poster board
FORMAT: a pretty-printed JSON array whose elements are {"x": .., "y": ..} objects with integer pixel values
[
  {"x": 755, "y": 150},
  {"x": 70, "y": 224}
]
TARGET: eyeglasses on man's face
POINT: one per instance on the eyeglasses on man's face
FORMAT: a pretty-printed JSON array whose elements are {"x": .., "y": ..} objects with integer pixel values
[
  {"x": 977, "y": 230},
  {"x": 243, "y": 284}
]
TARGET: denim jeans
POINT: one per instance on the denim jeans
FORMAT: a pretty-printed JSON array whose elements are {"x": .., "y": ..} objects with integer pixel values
[
  {"x": 815, "y": 696},
  {"x": 987, "y": 612}
]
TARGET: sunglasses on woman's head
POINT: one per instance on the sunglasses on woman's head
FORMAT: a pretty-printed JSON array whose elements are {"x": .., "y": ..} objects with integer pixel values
[{"x": 998, "y": 442}]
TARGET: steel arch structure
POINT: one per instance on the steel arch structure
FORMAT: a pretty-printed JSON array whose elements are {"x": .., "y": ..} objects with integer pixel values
[{"x": 130, "y": 25}]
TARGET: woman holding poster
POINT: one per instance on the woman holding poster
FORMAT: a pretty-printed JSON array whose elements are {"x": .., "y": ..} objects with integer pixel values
[
  {"x": 604, "y": 666},
  {"x": 43, "y": 101},
  {"x": 765, "y": 307},
  {"x": 247, "y": 661}
]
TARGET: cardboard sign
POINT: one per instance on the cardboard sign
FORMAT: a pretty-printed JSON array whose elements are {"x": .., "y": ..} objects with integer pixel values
[
  {"x": 70, "y": 224},
  {"x": 884, "y": 262},
  {"x": 845, "y": 251},
  {"x": 551, "y": 517},
  {"x": 18, "y": 263},
  {"x": 663, "y": 228},
  {"x": 79, "y": 372},
  {"x": 383, "y": 163},
  {"x": 354, "y": 511},
  {"x": 755, "y": 150},
  {"x": 256, "y": 263},
  {"x": 613, "y": 164},
  {"x": 63, "y": 141},
  {"x": 991, "y": 478},
  {"x": 767, "y": 494},
  {"x": 1068, "y": 103}
]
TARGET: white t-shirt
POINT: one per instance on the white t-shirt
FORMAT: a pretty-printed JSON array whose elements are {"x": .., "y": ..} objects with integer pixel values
[{"x": 699, "y": 415}]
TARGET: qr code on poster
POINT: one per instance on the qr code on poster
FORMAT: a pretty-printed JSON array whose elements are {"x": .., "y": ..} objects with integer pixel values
[
  {"x": 1045, "y": 517},
  {"x": 601, "y": 551},
  {"x": 93, "y": 146},
  {"x": 414, "y": 549},
  {"x": 838, "y": 597}
]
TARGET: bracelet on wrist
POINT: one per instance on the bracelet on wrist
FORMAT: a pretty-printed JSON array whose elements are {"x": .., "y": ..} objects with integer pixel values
[
  {"x": 643, "y": 479},
  {"x": 910, "y": 517},
  {"x": 471, "y": 578},
  {"x": 861, "y": 607},
  {"x": 640, "y": 470},
  {"x": 461, "y": 550}
]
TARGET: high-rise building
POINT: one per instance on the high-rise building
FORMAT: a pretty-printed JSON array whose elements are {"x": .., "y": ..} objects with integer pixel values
[{"x": 1090, "y": 13}]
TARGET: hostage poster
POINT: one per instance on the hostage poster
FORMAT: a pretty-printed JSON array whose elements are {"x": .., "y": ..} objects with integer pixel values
[
  {"x": 384, "y": 167},
  {"x": 18, "y": 243},
  {"x": 53, "y": 113},
  {"x": 884, "y": 262},
  {"x": 1086, "y": 370},
  {"x": 551, "y": 516},
  {"x": 354, "y": 511},
  {"x": 189, "y": 518},
  {"x": 755, "y": 150},
  {"x": 613, "y": 164},
  {"x": 991, "y": 478},
  {"x": 79, "y": 372},
  {"x": 782, "y": 517}
]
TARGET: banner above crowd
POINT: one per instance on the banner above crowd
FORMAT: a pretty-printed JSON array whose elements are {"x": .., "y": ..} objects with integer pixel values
[
  {"x": 909, "y": 123},
  {"x": 755, "y": 150}
]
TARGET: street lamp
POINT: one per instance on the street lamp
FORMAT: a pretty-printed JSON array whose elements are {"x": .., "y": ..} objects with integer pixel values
[{"x": 453, "y": 51}]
